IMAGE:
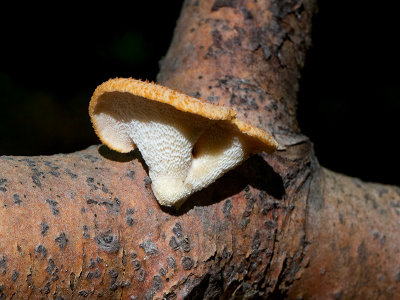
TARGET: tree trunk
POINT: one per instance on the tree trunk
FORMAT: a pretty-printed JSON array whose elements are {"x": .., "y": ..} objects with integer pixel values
[{"x": 86, "y": 224}]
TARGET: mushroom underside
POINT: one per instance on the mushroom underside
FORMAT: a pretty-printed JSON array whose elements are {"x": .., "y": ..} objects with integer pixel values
[{"x": 185, "y": 152}]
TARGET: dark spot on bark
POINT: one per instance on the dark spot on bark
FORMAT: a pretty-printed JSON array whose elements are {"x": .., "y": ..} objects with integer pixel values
[
  {"x": 226, "y": 209},
  {"x": 130, "y": 211},
  {"x": 130, "y": 220},
  {"x": 177, "y": 230},
  {"x": 17, "y": 199},
  {"x": 36, "y": 181},
  {"x": 83, "y": 293},
  {"x": 136, "y": 264},
  {"x": 54, "y": 173},
  {"x": 362, "y": 252},
  {"x": 3, "y": 181},
  {"x": 156, "y": 285},
  {"x": 398, "y": 277},
  {"x": 173, "y": 243},
  {"x": 383, "y": 240},
  {"x": 107, "y": 242},
  {"x": 133, "y": 255},
  {"x": 61, "y": 240},
  {"x": 217, "y": 38},
  {"x": 246, "y": 13},
  {"x": 149, "y": 248},
  {"x": 131, "y": 174},
  {"x": 162, "y": 271},
  {"x": 3, "y": 189},
  {"x": 41, "y": 250},
  {"x": 211, "y": 287},
  {"x": 90, "y": 157},
  {"x": 29, "y": 162},
  {"x": 197, "y": 94},
  {"x": 104, "y": 189},
  {"x": 187, "y": 263},
  {"x": 95, "y": 274},
  {"x": 46, "y": 287},
  {"x": 147, "y": 182},
  {"x": 2, "y": 295},
  {"x": 171, "y": 262},
  {"x": 244, "y": 222},
  {"x": 337, "y": 295},
  {"x": 270, "y": 224},
  {"x": 90, "y": 182},
  {"x": 113, "y": 273},
  {"x": 223, "y": 3},
  {"x": 15, "y": 275},
  {"x": 141, "y": 275},
  {"x": 341, "y": 220},
  {"x": 44, "y": 228},
  {"x": 213, "y": 99},
  {"x": 50, "y": 268},
  {"x": 54, "y": 206},
  {"x": 83, "y": 210},
  {"x": 72, "y": 175},
  {"x": 72, "y": 281},
  {"x": 92, "y": 263},
  {"x": 186, "y": 244}
]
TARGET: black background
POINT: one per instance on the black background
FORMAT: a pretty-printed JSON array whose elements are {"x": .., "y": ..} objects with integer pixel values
[{"x": 52, "y": 59}]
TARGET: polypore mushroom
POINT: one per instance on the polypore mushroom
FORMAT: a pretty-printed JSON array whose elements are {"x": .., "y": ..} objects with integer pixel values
[{"x": 186, "y": 143}]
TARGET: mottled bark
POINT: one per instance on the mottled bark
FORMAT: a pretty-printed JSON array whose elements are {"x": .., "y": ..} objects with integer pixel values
[{"x": 86, "y": 224}]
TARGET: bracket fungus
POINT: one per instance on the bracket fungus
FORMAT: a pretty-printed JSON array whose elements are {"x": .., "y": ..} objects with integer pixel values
[{"x": 186, "y": 143}]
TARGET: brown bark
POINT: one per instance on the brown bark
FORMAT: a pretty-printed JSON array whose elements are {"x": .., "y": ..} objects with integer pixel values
[{"x": 86, "y": 224}]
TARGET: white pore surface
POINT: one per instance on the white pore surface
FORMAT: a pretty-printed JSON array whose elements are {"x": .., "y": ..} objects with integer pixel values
[{"x": 166, "y": 137}]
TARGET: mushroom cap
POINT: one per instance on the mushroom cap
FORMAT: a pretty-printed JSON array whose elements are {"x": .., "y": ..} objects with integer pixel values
[{"x": 187, "y": 143}]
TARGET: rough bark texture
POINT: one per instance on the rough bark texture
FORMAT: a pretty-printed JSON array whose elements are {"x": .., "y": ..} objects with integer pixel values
[{"x": 86, "y": 224}]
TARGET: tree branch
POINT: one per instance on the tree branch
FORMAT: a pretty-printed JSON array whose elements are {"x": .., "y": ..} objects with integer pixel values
[{"x": 86, "y": 224}]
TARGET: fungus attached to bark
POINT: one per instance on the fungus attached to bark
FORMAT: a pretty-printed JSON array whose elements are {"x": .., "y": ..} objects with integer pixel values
[{"x": 186, "y": 143}]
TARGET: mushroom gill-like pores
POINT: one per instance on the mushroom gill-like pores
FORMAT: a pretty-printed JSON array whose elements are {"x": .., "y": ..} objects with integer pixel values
[{"x": 186, "y": 143}]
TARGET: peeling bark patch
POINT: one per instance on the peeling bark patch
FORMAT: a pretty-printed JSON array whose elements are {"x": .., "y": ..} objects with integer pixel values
[
  {"x": 41, "y": 250},
  {"x": 187, "y": 263},
  {"x": 44, "y": 228},
  {"x": 61, "y": 240},
  {"x": 54, "y": 206},
  {"x": 149, "y": 248},
  {"x": 223, "y": 3},
  {"x": 17, "y": 199},
  {"x": 108, "y": 242}
]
